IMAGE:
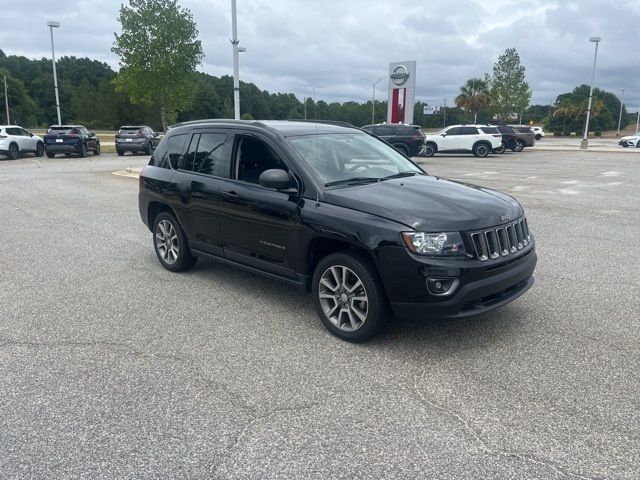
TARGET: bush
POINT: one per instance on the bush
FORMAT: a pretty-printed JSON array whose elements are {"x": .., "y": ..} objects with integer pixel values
[{"x": 598, "y": 133}]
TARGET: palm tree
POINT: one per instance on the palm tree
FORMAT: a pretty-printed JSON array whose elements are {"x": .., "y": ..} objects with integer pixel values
[
  {"x": 567, "y": 110},
  {"x": 474, "y": 97}
]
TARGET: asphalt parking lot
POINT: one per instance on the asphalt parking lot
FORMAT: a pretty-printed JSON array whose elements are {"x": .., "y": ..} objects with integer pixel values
[{"x": 112, "y": 367}]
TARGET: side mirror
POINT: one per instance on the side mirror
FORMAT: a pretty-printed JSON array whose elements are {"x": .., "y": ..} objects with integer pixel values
[
  {"x": 443, "y": 134},
  {"x": 276, "y": 179}
]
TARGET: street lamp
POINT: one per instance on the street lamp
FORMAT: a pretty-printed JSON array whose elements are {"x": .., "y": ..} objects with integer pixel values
[
  {"x": 620, "y": 115},
  {"x": 373, "y": 98},
  {"x": 236, "y": 68},
  {"x": 51, "y": 24},
  {"x": 585, "y": 142}
]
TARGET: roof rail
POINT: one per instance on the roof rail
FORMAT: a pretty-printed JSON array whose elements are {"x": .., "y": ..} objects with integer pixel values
[
  {"x": 337, "y": 123},
  {"x": 218, "y": 120}
]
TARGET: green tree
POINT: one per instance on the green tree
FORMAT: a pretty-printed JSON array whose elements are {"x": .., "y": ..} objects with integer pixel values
[
  {"x": 22, "y": 109},
  {"x": 159, "y": 52},
  {"x": 510, "y": 92},
  {"x": 474, "y": 97}
]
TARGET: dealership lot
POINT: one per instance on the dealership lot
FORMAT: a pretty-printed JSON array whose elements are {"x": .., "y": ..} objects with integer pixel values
[{"x": 111, "y": 366}]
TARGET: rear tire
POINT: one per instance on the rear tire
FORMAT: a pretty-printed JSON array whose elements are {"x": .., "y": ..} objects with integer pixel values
[
  {"x": 481, "y": 150},
  {"x": 519, "y": 146},
  {"x": 119, "y": 152},
  {"x": 500, "y": 149},
  {"x": 538, "y": 136},
  {"x": 39, "y": 149},
  {"x": 170, "y": 244},
  {"x": 349, "y": 298},
  {"x": 402, "y": 148},
  {"x": 14, "y": 152},
  {"x": 51, "y": 154},
  {"x": 82, "y": 152}
]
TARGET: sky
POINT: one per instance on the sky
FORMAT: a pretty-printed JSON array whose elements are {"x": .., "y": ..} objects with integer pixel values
[{"x": 334, "y": 50}]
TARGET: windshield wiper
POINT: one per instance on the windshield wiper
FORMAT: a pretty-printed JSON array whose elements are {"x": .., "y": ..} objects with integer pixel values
[
  {"x": 354, "y": 180},
  {"x": 408, "y": 173}
]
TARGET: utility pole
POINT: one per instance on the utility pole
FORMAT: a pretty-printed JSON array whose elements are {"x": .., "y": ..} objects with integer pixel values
[
  {"x": 236, "y": 68},
  {"x": 6, "y": 100},
  {"x": 620, "y": 115},
  {"x": 52, "y": 24},
  {"x": 585, "y": 142},
  {"x": 304, "y": 99},
  {"x": 444, "y": 114},
  {"x": 638, "y": 121}
]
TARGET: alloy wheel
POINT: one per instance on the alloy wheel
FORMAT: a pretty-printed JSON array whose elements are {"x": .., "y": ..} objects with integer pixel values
[
  {"x": 343, "y": 298},
  {"x": 167, "y": 242}
]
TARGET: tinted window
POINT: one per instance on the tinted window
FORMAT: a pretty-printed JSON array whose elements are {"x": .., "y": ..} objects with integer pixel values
[
  {"x": 253, "y": 158},
  {"x": 60, "y": 130},
  {"x": 383, "y": 131},
  {"x": 159, "y": 157},
  {"x": 13, "y": 131},
  {"x": 453, "y": 131},
  {"x": 175, "y": 149},
  {"x": 129, "y": 131},
  {"x": 191, "y": 154},
  {"x": 490, "y": 130},
  {"x": 524, "y": 129},
  {"x": 210, "y": 158},
  {"x": 468, "y": 131}
]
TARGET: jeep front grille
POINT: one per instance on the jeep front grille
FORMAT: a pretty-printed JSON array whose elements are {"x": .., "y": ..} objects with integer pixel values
[{"x": 501, "y": 241}]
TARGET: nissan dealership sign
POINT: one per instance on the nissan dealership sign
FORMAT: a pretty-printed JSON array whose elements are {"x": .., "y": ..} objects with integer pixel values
[
  {"x": 402, "y": 87},
  {"x": 400, "y": 75}
]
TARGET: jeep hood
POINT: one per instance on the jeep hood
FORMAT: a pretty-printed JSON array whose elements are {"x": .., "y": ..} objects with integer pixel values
[{"x": 430, "y": 204}]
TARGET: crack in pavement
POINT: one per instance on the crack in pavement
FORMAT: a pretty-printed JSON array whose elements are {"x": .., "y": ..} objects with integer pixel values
[
  {"x": 484, "y": 445},
  {"x": 241, "y": 403}
]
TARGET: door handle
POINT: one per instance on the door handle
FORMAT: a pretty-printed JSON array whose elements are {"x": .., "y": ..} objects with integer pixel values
[{"x": 230, "y": 194}]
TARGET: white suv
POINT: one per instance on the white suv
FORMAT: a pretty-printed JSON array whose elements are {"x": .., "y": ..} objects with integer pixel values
[
  {"x": 15, "y": 140},
  {"x": 539, "y": 132},
  {"x": 480, "y": 140}
]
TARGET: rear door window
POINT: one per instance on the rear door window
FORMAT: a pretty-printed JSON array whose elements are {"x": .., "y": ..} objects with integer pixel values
[
  {"x": 468, "y": 131},
  {"x": 490, "y": 130},
  {"x": 383, "y": 131}
]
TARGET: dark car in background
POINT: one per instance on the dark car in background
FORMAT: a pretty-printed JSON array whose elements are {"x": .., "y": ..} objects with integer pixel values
[
  {"x": 509, "y": 139},
  {"x": 409, "y": 139},
  {"x": 70, "y": 139},
  {"x": 526, "y": 137},
  {"x": 136, "y": 139}
]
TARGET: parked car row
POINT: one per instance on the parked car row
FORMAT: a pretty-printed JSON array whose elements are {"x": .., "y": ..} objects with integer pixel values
[
  {"x": 74, "y": 140},
  {"x": 480, "y": 140}
]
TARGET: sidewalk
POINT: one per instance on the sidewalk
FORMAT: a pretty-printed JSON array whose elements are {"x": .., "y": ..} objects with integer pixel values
[{"x": 573, "y": 144}]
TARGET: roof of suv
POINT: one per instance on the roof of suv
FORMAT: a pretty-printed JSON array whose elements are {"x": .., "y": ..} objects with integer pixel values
[{"x": 284, "y": 127}]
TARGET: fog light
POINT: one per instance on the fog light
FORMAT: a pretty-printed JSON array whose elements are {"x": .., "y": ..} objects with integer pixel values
[{"x": 442, "y": 286}]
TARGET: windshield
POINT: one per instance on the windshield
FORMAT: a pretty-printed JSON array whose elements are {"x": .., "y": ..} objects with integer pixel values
[
  {"x": 341, "y": 158},
  {"x": 62, "y": 130}
]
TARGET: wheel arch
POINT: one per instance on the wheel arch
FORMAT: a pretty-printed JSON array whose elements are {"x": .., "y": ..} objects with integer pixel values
[
  {"x": 433, "y": 144},
  {"x": 321, "y": 247},
  {"x": 156, "y": 208}
]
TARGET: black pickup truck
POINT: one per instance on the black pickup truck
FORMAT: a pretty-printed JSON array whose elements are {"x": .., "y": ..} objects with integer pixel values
[{"x": 337, "y": 212}]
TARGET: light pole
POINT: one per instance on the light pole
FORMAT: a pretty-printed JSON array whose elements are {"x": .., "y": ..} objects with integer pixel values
[
  {"x": 236, "y": 68},
  {"x": 6, "y": 100},
  {"x": 51, "y": 24},
  {"x": 373, "y": 98},
  {"x": 620, "y": 115},
  {"x": 585, "y": 142}
]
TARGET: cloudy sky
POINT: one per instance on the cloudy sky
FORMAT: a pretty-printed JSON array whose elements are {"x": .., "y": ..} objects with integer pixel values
[{"x": 338, "y": 47}]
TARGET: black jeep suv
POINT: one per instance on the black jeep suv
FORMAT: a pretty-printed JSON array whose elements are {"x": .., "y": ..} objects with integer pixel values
[
  {"x": 338, "y": 212},
  {"x": 409, "y": 139}
]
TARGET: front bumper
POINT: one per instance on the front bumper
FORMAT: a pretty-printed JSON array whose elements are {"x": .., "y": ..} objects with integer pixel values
[{"x": 482, "y": 288}]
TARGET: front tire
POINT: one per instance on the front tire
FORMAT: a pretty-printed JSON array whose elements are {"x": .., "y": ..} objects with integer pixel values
[
  {"x": 39, "y": 149},
  {"x": 349, "y": 298},
  {"x": 481, "y": 150},
  {"x": 51, "y": 154},
  {"x": 96, "y": 151},
  {"x": 119, "y": 152},
  {"x": 429, "y": 150},
  {"x": 171, "y": 245},
  {"x": 538, "y": 136},
  {"x": 500, "y": 149},
  {"x": 82, "y": 152}
]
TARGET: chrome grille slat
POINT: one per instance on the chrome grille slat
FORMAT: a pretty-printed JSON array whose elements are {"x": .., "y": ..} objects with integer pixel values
[{"x": 500, "y": 241}]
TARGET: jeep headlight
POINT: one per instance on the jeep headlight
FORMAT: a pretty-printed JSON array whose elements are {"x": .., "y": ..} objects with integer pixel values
[{"x": 443, "y": 244}]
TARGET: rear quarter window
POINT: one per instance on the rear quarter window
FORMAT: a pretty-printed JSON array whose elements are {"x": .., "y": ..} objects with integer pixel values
[{"x": 490, "y": 130}]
